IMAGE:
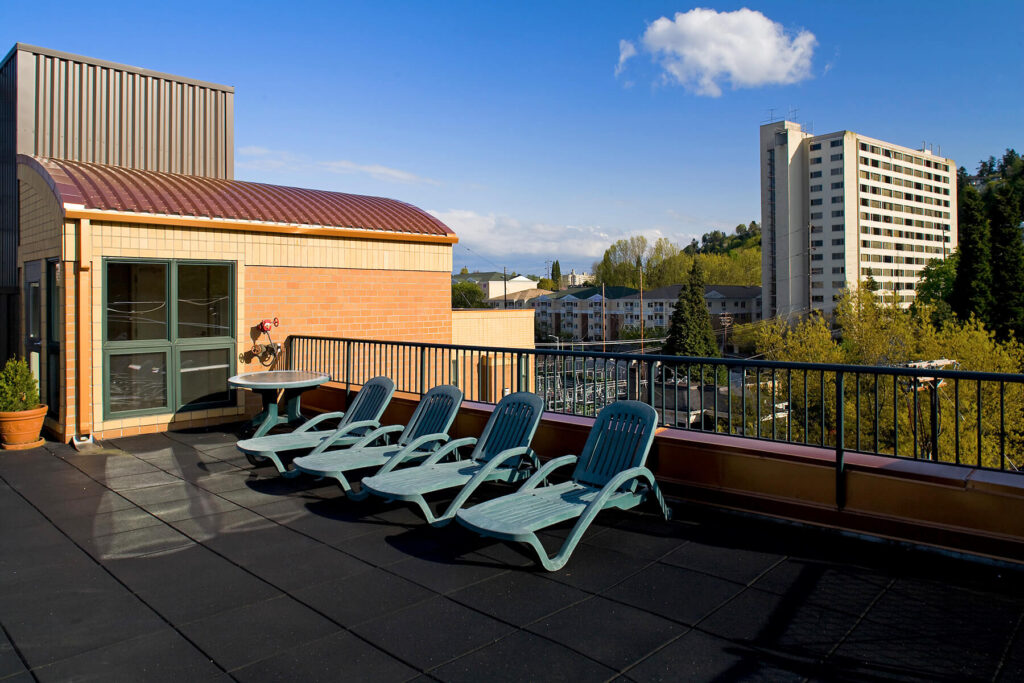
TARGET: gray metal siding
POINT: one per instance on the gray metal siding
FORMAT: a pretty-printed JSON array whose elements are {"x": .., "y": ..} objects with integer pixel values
[
  {"x": 96, "y": 112},
  {"x": 8, "y": 181}
]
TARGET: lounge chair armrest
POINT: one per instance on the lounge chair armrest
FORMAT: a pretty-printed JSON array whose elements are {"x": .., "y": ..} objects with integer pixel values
[
  {"x": 402, "y": 455},
  {"x": 415, "y": 444},
  {"x": 365, "y": 441},
  {"x": 616, "y": 482},
  {"x": 360, "y": 425},
  {"x": 504, "y": 456},
  {"x": 306, "y": 426},
  {"x": 449, "y": 448},
  {"x": 550, "y": 466},
  {"x": 509, "y": 453},
  {"x": 376, "y": 434}
]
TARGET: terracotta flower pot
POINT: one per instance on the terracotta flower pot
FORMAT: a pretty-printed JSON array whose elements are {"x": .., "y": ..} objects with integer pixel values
[{"x": 20, "y": 430}]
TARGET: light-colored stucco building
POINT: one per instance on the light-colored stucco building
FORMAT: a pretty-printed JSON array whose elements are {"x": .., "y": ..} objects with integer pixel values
[{"x": 840, "y": 207}]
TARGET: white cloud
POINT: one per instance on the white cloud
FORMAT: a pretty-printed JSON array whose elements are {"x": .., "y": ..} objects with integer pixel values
[
  {"x": 701, "y": 49},
  {"x": 263, "y": 159},
  {"x": 626, "y": 51},
  {"x": 493, "y": 235},
  {"x": 375, "y": 171}
]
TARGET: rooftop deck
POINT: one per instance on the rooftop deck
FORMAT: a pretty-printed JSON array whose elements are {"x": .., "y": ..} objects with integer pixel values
[{"x": 169, "y": 557}]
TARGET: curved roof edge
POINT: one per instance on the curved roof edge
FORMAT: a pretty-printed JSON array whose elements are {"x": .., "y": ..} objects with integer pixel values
[{"x": 103, "y": 187}]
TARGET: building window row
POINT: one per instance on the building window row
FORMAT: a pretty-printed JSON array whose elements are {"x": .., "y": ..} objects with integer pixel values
[
  {"x": 890, "y": 206},
  {"x": 901, "y": 234},
  {"x": 886, "y": 258},
  {"x": 898, "y": 220},
  {"x": 900, "y": 246},
  {"x": 916, "y": 172},
  {"x": 900, "y": 156},
  {"x": 896, "y": 194},
  {"x": 878, "y": 178}
]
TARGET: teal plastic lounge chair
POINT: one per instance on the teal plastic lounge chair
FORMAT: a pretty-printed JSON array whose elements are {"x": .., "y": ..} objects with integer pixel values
[
  {"x": 610, "y": 473},
  {"x": 360, "y": 419},
  {"x": 501, "y": 454},
  {"x": 425, "y": 435}
]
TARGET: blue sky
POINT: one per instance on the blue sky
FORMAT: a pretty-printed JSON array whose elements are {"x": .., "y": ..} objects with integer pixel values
[{"x": 519, "y": 126}]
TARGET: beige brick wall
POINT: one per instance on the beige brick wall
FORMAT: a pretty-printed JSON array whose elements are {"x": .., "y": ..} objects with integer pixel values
[
  {"x": 493, "y": 327},
  {"x": 315, "y": 285}
]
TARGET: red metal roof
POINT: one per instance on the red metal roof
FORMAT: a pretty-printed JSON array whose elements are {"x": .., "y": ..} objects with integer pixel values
[{"x": 112, "y": 188}]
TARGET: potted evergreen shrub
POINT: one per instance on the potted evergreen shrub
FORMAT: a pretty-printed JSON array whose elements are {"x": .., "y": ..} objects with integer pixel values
[{"x": 21, "y": 414}]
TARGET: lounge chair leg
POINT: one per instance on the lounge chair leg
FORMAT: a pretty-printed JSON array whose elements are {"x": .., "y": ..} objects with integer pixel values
[
  {"x": 551, "y": 564},
  {"x": 666, "y": 511},
  {"x": 260, "y": 459}
]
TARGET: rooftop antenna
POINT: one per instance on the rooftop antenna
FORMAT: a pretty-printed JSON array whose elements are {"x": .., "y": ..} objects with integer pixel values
[
  {"x": 771, "y": 115},
  {"x": 792, "y": 115}
]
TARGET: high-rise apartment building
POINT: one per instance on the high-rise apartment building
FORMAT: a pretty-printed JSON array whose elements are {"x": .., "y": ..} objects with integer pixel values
[{"x": 840, "y": 207}]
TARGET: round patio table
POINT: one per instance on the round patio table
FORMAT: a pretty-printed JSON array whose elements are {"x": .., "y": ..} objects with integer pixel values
[{"x": 267, "y": 384}]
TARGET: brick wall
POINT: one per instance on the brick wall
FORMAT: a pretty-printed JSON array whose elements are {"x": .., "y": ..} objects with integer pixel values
[{"x": 367, "y": 304}]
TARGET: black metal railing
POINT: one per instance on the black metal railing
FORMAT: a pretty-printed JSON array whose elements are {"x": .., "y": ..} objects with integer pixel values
[{"x": 973, "y": 419}]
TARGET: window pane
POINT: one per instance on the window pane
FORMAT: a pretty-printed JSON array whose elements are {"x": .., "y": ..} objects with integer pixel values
[
  {"x": 204, "y": 376},
  {"x": 33, "y": 307},
  {"x": 204, "y": 301},
  {"x": 138, "y": 381},
  {"x": 136, "y": 301}
]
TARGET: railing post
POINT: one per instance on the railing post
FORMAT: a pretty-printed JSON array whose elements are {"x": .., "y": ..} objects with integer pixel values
[
  {"x": 348, "y": 372},
  {"x": 288, "y": 344},
  {"x": 521, "y": 361},
  {"x": 650, "y": 383},
  {"x": 935, "y": 419},
  {"x": 423, "y": 370},
  {"x": 840, "y": 444}
]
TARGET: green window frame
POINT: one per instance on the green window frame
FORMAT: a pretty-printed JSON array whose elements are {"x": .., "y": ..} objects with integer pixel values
[{"x": 159, "y": 364}]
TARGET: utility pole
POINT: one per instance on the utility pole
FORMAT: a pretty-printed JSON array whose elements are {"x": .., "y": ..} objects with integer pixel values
[
  {"x": 643, "y": 314},
  {"x": 604, "y": 323},
  {"x": 725, "y": 320}
]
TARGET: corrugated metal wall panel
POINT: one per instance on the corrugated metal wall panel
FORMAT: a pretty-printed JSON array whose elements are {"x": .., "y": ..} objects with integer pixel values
[
  {"x": 95, "y": 112},
  {"x": 8, "y": 178}
]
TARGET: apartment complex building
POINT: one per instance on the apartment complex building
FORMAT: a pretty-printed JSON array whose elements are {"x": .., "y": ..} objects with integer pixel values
[
  {"x": 841, "y": 207},
  {"x": 584, "y": 313},
  {"x": 740, "y": 304},
  {"x": 516, "y": 300}
]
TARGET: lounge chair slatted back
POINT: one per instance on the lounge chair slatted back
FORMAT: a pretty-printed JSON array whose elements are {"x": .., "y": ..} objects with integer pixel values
[
  {"x": 434, "y": 414},
  {"x": 370, "y": 402},
  {"x": 620, "y": 439},
  {"x": 512, "y": 424}
]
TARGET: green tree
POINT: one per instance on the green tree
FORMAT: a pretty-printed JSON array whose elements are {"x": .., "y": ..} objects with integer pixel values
[
  {"x": 547, "y": 283},
  {"x": 972, "y": 290},
  {"x": 467, "y": 295},
  {"x": 464, "y": 271},
  {"x": 935, "y": 288},
  {"x": 556, "y": 275},
  {"x": 1007, "y": 261},
  {"x": 689, "y": 333},
  {"x": 620, "y": 266}
]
